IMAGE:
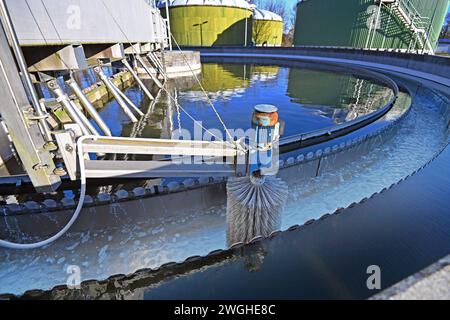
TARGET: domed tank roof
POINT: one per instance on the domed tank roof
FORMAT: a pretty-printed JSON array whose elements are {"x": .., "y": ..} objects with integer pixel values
[
  {"x": 224, "y": 3},
  {"x": 260, "y": 14}
]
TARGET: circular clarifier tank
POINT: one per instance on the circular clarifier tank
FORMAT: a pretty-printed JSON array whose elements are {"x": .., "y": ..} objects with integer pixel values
[{"x": 145, "y": 224}]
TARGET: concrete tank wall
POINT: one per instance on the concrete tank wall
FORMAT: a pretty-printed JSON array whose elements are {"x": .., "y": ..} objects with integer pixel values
[{"x": 347, "y": 23}]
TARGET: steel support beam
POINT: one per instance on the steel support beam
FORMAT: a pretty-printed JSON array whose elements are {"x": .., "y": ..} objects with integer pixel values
[
  {"x": 116, "y": 95},
  {"x": 132, "y": 48},
  {"x": 69, "y": 153},
  {"x": 9, "y": 31},
  {"x": 137, "y": 79},
  {"x": 127, "y": 100},
  {"x": 146, "y": 48},
  {"x": 157, "y": 63},
  {"x": 95, "y": 52},
  {"x": 149, "y": 72},
  {"x": 190, "y": 158},
  {"x": 84, "y": 101},
  {"x": 24, "y": 123},
  {"x": 75, "y": 114}
]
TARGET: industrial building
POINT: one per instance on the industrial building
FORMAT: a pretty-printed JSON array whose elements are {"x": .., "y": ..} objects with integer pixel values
[
  {"x": 267, "y": 28},
  {"x": 406, "y": 25}
]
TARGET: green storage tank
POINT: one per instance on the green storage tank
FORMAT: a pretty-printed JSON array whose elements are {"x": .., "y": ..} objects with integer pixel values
[
  {"x": 209, "y": 22},
  {"x": 267, "y": 28},
  {"x": 410, "y": 25}
]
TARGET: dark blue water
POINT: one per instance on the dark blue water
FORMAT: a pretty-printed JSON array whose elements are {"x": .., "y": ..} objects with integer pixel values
[{"x": 402, "y": 231}]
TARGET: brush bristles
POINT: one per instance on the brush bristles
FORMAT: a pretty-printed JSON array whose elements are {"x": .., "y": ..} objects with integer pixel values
[{"x": 254, "y": 209}]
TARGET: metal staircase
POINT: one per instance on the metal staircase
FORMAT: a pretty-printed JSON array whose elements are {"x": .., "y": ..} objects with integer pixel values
[{"x": 417, "y": 24}]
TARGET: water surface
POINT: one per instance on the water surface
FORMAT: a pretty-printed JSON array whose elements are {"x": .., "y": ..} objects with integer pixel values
[
  {"x": 160, "y": 240},
  {"x": 308, "y": 99}
]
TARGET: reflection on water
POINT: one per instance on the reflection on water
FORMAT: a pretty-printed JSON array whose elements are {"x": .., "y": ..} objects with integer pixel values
[
  {"x": 338, "y": 96},
  {"x": 308, "y": 100}
]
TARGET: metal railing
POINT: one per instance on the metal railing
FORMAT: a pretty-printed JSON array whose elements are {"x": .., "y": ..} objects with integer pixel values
[
  {"x": 419, "y": 21},
  {"x": 419, "y": 24}
]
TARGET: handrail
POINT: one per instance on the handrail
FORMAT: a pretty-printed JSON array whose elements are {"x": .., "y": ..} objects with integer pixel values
[
  {"x": 419, "y": 23},
  {"x": 409, "y": 7}
]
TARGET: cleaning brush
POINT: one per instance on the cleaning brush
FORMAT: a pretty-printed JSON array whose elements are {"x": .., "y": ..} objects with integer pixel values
[{"x": 254, "y": 207}]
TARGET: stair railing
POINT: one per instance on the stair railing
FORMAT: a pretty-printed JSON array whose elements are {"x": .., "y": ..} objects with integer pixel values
[{"x": 419, "y": 24}]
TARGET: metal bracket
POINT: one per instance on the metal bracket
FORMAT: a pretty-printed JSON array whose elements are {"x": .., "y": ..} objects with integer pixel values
[
  {"x": 32, "y": 118},
  {"x": 67, "y": 148}
]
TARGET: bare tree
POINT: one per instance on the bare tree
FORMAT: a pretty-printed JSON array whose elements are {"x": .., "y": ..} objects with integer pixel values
[
  {"x": 288, "y": 38},
  {"x": 286, "y": 11},
  {"x": 275, "y": 6},
  {"x": 446, "y": 28}
]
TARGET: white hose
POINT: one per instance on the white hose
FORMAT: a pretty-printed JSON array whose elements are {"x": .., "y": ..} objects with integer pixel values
[{"x": 18, "y": 246}]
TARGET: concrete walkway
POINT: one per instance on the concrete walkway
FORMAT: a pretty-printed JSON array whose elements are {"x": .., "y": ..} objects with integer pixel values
[{"x": 432, "y": 283}]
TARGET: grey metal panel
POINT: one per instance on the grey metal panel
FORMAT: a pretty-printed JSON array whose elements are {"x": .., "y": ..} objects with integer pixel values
[
  {"x": 27, "y": 27},
  {"x": 44, "y": 22},
  {"x": 27, "y": 137}
]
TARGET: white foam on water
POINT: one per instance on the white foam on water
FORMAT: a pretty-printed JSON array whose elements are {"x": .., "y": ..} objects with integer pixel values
[{"x": 420, "y": 136}]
